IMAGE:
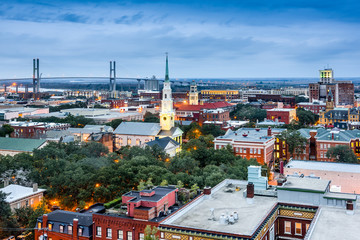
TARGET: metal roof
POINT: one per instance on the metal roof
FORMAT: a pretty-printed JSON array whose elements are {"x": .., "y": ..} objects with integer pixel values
[
  {"x": 20, "y": 144},
  {"x": 138, "y": 128},
  {"x": 17, "y": 192}
]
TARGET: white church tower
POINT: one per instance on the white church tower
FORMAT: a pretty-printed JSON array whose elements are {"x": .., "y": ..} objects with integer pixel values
[{"x": 167, "y": 114}]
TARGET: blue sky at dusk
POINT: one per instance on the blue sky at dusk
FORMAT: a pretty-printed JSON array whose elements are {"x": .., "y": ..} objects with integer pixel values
[{"x": 204, "y": 38}]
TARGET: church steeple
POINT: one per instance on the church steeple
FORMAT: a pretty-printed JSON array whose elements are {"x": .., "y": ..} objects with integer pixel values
[
  {"x": 167, "y": 114},
  {"x": 167, "y": 69}
]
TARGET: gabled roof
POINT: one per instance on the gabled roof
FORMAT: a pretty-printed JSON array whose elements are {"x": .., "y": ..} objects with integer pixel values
[
  {"x": 138, "y": 128},
  {"x": 162, "y": 142},
  {"x": 172, "y": 132},
  {"x": 20, "y": 144}
]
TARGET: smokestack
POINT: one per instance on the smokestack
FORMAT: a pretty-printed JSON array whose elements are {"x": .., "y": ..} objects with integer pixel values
[{"x": 269, "y": 131}]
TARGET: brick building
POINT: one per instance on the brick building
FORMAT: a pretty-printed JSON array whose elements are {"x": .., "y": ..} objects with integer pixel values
[
  {"x": 115, "y": 103},
  {"x": 250, "y": 143},
  {"x": 314, "y": 107},
  {"x": 214, "y": 115},
  {"x": 287, "y": 100},
  {"x": 220, "y": 95},
  {"x": 35, "y": 129},
  {"x": 343, "y": 91},
  {"x": 285, "y": 115},
  {"x": 146, "y": 207}
]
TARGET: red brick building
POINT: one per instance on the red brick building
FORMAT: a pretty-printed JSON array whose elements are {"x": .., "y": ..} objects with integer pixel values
[
  {"x": 314, "y": 107},
  {"x": 285, "y": 115},
  {"x": 35, "y": 129},
  {"x": 115, "y": 103},
  {"x": 146, "y": 207}
]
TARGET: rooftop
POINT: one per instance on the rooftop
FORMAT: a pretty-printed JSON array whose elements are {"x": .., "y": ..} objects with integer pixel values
[
  {"x": 160, "y": 192},
  {"x": 324, "y": 166},
  {"x": 162, "y": 142},
  {"x": 17, "y": 192},
  {"x": 196, "y": 214},
  {"x": 248, "y": 135},
  {"x": 20, "y": 144},
  {"x": 305, "y": 184},
  {"x": 334, "y": 223},
  {"x": 281, "y": 110},
  {"x": 138, "y": 128},
  {"x": 85, "y": 219}
]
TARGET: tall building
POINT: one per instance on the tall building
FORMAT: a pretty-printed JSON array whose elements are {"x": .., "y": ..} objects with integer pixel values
[
  {"x": 342, "y": 91},
  {"x": 193, "y": 94},
  {"x": 167, "y": 114}
]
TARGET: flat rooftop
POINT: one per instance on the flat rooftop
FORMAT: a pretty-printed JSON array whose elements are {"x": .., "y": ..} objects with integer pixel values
[
  {"x": 324, "y": 166},
  {"x": 334, "y": 223},
  {"x": 299, "y": 183},
  {"x": 250, "y": 215}
]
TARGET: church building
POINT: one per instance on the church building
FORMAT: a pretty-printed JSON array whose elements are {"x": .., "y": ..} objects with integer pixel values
[{"x": 139, "y": 133}]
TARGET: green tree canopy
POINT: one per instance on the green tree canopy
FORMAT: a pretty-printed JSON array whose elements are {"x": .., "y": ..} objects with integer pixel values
[
  {"x": 295, "y": 141},
  {"x": 342, "y": 153}
]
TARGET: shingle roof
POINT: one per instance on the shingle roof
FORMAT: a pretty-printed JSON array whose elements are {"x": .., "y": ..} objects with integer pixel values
[
  {"x": 20, "y": 144},
  {"x": 138, "y": 128},
  {"x": 162, "y": 142},
  {"x": 85, "y": 219}
]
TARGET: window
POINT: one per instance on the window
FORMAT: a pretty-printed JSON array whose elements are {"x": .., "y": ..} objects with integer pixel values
[
  {"x": 80, "y": 231},
  {"x": 287, "y": 227},
  {"x": 321, "y": 146},
  {"x": 31, "y": 201},
  {"x": 39, "y": 225},
  {"x": 137, "y": 141},
  {"x": 307, "y": 226},
  {"x": 141, "y": 236},
  {"x": 241, "y": 150},
  {"x": 129, "y": 235},
  {"x": 298, "y": 229},
  {"x": 108, "y": 233},
  {"x": 50, "y": 226},
  {"x": 251, "y": 150},
  {"x": 244, "y": 150},
  {"x": 61, "y": 228},
  {"x": 129, "y": 141},
  {"x": 120, "y": 141},
  {"x": 120, "y": 235},
  {"x": 27, "y": 202},
  {"x": 98, "y": 231},
  {"x": 255, "y": 151},
  {"x": 69, "y": 229}
]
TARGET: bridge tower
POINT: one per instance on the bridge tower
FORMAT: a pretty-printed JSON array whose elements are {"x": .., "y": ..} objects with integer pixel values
[
  {"x": 113, "y": 79},
  {"x": 36, "y": 77}
]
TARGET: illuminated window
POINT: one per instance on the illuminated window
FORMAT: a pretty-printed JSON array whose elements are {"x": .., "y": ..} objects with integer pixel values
[
  {"x": 307, "y": 226},
  {"x": 298, "y": 229},
  {"x": 50, "y": 226},
  {"x": 98, "y": 231},
  {"x": 137, "y": 141},
  {"x": 108, "y": 233},
  {"x": 277, "y": 154},
  {"x": 129, "y": 141},
  {"x": 120, "y": 235},
  {"x": 287, "y": 227},
  {"x": 69, "y": 229},
  {"x": 39, "y": 225},
  {"x": 129, "y": 235}
]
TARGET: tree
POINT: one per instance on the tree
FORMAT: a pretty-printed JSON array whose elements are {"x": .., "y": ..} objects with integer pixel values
[
  {"x": 212, "y": 129},
  {"x": 114, "y": 123},
  {"x": 295, "y": 141},
  {"x": 247, "y": 112},
  {"x": 150, "y": 234},
  {"x": 306, "y": 117},
  {"x": 342, "y": 153},
  {"x": 7, "y": 221},
  {"x": 150, "y": 117},
  {"x": 6, "y": 129}
]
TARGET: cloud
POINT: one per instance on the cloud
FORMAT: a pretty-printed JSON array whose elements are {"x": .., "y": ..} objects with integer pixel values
[{"x": 204, "y": 38}]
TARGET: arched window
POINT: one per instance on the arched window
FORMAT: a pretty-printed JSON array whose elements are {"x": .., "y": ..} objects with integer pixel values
[{"x": 129, "y": 141}]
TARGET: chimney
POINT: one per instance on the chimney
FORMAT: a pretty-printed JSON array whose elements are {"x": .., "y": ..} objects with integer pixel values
[
  {"x": 35, "y": 187},
  {"x": 75, "y": 228},
  {"x": 250, "y": 190},
  {"x": 282, "y": 167},
  {"x": 44, "y": 221},
  {"x": 269, "y": 131},
  {"x": 349, "y": 207},
  {"x": 207, "y": 190},
  {"x": 6, "y": 182},
  {"x": 332, "y": 136}
]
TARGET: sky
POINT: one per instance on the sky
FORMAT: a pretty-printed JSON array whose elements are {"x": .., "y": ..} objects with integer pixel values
[{"x": 204, "y": 38}]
